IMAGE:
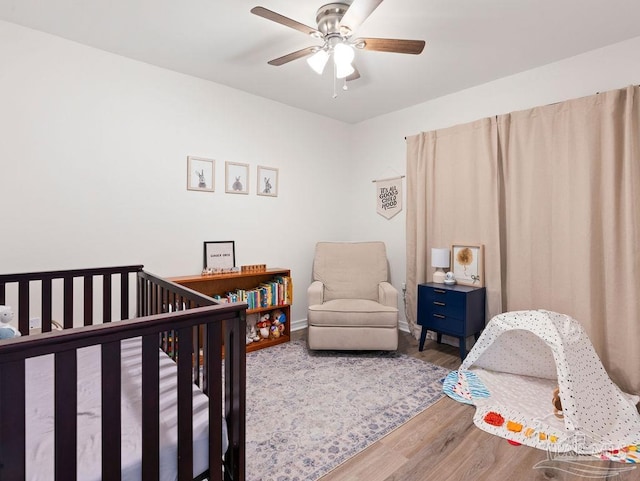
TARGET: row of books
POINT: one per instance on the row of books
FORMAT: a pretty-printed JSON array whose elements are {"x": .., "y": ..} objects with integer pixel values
[{"x": 276, "y": 292}]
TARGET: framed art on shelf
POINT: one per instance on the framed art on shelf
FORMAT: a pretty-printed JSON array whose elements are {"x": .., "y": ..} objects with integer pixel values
[
  {"x": 219, "y": 255},
  {"x": 236, "y": 178},
  {"x": 267, "y": 181},
  {"x": 467, "y": 264},
  {"x": 200, "y": 174}
]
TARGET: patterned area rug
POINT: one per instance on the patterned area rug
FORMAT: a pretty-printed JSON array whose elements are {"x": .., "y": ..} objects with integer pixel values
[{"x": 308, "y": 412}]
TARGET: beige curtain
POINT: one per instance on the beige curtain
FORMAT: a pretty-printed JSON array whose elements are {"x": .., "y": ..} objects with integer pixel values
[
  {"x": 553, "y": 193},
  {"x": 572, "y": 213},
  {"x": 452, "y": 197}
]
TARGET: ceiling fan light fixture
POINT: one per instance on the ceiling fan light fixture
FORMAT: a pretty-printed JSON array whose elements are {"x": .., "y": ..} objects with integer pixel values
[
  {"x": 318, "y": 61},
  {"x": 344, "y": 70},
  {"x": 343, "y": 54}
]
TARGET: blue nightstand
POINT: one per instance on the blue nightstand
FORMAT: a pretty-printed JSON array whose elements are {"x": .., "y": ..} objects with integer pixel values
[{"x": 453, "y": 310}]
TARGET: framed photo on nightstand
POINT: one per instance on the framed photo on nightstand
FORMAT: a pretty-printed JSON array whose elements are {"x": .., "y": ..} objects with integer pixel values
[{"x": 467, "y": 264}]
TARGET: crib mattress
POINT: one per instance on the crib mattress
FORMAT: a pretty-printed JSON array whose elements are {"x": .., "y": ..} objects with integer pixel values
[{"x": 40, "y": 417}]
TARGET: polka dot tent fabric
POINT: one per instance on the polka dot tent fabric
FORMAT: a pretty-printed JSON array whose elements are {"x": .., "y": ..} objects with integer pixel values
[{"x": 512, "y": 371}]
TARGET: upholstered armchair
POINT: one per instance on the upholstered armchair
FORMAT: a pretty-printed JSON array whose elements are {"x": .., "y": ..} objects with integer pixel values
[{"x": 352, "y": 306}]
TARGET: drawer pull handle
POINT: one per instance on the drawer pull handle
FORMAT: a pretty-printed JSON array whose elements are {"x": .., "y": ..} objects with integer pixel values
[
  {"x": 439, "y": 315},
  {"x": 439, "y": 303},
  {"x": 439, "y": 291}
]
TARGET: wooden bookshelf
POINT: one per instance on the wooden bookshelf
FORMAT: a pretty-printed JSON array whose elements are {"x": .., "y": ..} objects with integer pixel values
[{"x": 220, "y": 284}]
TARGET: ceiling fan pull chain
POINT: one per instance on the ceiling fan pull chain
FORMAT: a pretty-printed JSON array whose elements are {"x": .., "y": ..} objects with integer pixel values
[{"x": 335, "y": 79}]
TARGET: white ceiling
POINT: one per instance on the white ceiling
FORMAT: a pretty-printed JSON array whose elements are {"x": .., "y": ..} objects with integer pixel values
[{"x": 469, "y": 42}]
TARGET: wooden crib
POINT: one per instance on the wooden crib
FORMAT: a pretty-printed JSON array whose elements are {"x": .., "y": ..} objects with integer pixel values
[{"x": 190, "y": 327}]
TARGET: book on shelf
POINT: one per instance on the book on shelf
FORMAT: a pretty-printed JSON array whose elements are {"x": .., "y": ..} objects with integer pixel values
[{"x": 276, "y": 292}]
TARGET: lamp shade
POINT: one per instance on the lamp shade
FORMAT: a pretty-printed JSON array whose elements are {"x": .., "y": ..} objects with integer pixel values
[
  {"x": 343, "y": 54},
  {"x": 343, "y": 71},
  {"x": 318, "y": 61},
  {"x": 439, "y": 257}
]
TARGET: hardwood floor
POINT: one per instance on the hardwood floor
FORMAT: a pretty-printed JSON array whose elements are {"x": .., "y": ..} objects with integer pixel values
[{"x": 443, "y": 444}]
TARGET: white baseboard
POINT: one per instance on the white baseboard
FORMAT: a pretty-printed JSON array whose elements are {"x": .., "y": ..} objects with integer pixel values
[
  {"x": 403, "y": 325},
  {"x": 298, "y": 325}
]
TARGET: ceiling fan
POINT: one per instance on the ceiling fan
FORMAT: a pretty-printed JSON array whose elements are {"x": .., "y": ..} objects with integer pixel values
[{"x": 337, "y": 23}]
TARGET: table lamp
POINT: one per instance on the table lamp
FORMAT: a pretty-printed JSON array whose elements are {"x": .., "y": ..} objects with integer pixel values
[{"x": 439, "y": 260}]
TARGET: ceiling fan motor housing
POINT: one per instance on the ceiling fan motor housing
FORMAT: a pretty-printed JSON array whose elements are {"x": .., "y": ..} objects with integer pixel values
[{"x": 328, "y": 20}]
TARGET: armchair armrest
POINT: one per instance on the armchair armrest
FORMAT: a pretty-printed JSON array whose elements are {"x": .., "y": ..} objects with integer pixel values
[
  {"x": 387, "y": 295},
  {"x": 315, "y": 293}
]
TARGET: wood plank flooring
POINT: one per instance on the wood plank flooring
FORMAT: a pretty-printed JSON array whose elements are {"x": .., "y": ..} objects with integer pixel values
[{"x": 443, "y": 444}]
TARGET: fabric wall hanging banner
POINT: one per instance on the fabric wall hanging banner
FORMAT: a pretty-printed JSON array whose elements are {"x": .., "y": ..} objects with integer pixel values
[{"x": 389, "y": 196}]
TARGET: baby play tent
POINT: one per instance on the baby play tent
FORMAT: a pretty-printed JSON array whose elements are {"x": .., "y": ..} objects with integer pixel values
[{"x": 512, "y": 371}]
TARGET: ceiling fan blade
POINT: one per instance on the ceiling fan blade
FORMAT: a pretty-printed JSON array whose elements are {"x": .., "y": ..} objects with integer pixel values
[
  {"x": 390, "y": 45},
  {"x": 286, "y": 21},
  {"x": 358, "y": 12},
  {"x": 293, "y": 56},
  {"x": 354, "y": 76}
]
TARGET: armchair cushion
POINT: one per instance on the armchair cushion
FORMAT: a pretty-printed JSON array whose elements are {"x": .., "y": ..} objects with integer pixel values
[
  {"x": 352, "y": 313},
  {"x": 350, "y": 270}
]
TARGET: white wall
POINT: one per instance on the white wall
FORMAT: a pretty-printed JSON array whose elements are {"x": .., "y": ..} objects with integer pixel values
[
  {"x": 379, "y": 147},
  {"x": 93, "y": 152}
]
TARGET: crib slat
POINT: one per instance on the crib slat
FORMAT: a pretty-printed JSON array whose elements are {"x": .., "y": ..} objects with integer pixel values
[
  {"x": 46, "y": 305},
  {"x": 23, "y": 307},
  {"x": 185, "y": 405},
  {"x": 68, "y": 302},
  {"x": 12, "y": 421},
  {"x": 65, "y": 424},
  {"x": 106, "y": 298},
  {"x": 88, "y": 300},
  {"x": 124, "y": 296},
  {"x": 150, "y": 408},
  {"x": 3, "y": 293},
  {"x": 235, "y": 406},
  {"x": 213, "y": 382},
  {"x": 111, "y": 412}
]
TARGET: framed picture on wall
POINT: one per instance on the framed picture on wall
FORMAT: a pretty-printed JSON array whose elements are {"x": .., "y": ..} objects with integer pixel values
[
  {"x": 467, "y": 264},
  {"x": 219, "y": 255},
  {"x": 267, "y": 181},
  {"x": 236, "y": 178},
  {"x": 201, "y": 174}
]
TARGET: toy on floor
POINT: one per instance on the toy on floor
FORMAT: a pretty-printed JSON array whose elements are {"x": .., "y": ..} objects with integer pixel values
[
  {"x": 557, "y": 404},
  {"x": 7, "y": 331}
]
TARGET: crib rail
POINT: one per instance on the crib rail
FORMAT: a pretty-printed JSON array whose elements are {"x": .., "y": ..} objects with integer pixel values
[
  {"x": 43, "y": 283},
  {"x": 200, "y": 328}
]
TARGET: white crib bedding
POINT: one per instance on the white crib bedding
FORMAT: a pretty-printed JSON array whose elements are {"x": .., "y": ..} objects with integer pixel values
[{"x": 40, "y": 417}]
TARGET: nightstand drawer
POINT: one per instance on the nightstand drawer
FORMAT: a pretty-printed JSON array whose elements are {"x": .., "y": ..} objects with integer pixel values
[
  {"x": 448, "y": 303},
  {"x": 445, "y": 324}
]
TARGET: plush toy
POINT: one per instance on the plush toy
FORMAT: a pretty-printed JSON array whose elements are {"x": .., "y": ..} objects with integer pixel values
[
  {"x": 278, "y": 316},
  {"x": 557, "y": 403},
  {"x": 251, "y": 332},
  {"x": 264, "y": 325},
  {"x": 7, "y": 331},
  {"x": 275, "y": 332}
]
